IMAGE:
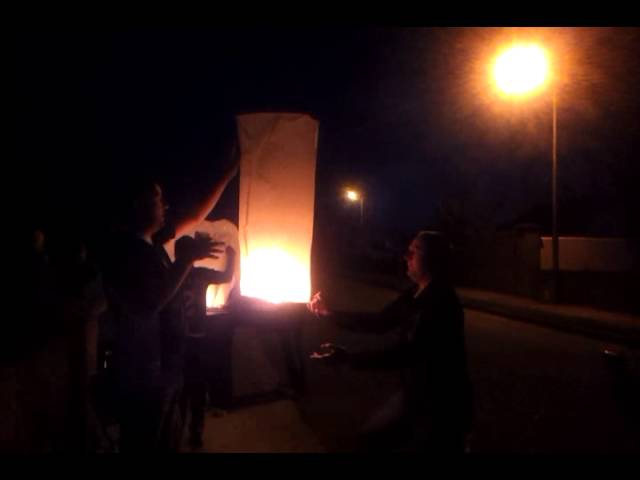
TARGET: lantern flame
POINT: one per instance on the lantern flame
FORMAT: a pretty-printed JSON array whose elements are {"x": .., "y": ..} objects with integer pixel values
[
  {"x": 276, "y": 276},
  {"x": 214, "y": 297}
]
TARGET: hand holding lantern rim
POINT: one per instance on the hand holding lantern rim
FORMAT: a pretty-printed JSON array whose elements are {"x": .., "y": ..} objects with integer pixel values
[
  {"x": 318, "y": 307},
  {"x": 200, "y": 211}
]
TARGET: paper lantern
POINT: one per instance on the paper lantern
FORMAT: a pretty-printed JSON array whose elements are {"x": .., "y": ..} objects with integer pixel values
[{"x": 277, "y": 191}]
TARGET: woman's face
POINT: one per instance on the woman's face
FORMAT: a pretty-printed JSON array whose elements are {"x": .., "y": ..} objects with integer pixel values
[{"x": 415, "y": 260}]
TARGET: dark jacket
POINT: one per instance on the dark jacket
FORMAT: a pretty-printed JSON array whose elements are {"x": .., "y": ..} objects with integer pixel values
[
  {"x": 430, "y": 351},
  {"x": 135, "y": 277}
]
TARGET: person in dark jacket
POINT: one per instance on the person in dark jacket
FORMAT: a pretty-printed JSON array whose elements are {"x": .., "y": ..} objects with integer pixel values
[
  {"x": 141, "y": 284},
  {"x": 433, "y": 409}
]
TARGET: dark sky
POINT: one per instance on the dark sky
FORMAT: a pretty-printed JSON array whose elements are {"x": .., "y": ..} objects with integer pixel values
[{"x": 404, "y": 112}]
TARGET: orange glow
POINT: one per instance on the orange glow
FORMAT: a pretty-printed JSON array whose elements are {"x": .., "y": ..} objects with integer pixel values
[
  {"x": 352, "y": 195},
  {"x": 277, "y": 194},
  {"x": 215, "y": 297},
  {"x": 521, "y": 69},
  {"x": 276, "y": 276}
]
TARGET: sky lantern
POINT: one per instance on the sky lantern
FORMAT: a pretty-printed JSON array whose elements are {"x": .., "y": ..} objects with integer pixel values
[{"x": 277, "y": 191}]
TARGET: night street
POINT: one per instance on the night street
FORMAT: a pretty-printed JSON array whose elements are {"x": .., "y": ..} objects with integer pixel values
[{"x": 201, "y": 208}]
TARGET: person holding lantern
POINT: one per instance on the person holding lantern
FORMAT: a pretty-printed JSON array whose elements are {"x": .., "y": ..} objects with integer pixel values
[
  {"x": 433, "y": 410},
  {"x": 141, "y": 284}
]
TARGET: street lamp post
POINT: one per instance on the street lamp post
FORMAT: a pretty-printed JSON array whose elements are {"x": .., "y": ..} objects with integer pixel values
[
  {"x": 517, "y": 72},
  {"x": 555, "y": 244}
]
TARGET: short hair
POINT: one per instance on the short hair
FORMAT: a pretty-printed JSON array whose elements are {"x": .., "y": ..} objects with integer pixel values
[
  {"x": 436, "y": 251},
  {"x": 131, "y": 191}
]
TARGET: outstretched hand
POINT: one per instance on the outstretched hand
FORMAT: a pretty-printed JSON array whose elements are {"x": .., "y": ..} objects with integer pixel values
[
  {"x": 317, "y": 306},
  {"x": 205, "y": 247},
  {"x": 202, "y": 246},
  {"x": 331, "y": 353}
]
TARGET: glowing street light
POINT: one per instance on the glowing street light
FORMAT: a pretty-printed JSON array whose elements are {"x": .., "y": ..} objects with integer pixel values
[
  {"x": 521, "y": 69},
  {"x": 352, "y": 195}
]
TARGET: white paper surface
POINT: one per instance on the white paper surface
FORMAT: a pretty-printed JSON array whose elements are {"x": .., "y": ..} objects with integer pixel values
[{"x": 277, "y": 191}]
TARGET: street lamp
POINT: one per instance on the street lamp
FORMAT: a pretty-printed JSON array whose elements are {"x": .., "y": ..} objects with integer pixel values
[
  {"x": 518, "y": 72},
  {"x": 355, "y": 196}
]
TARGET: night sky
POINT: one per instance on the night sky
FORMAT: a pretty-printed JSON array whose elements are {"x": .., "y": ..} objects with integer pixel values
[{"x": 405, "y": 113}]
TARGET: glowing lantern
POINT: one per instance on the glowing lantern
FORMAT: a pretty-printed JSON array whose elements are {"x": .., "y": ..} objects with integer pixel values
[{"x": 277, "y": 190}]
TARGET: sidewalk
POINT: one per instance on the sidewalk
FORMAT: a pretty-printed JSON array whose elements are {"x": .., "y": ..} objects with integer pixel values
[
  {"x": 611, "y": 326},
  {"x": 274, "y": 427}
]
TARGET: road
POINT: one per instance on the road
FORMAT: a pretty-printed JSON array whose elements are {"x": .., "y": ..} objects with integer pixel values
[{"x": 535, "y": 390}]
